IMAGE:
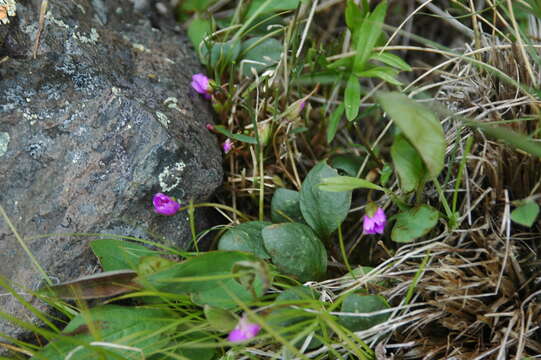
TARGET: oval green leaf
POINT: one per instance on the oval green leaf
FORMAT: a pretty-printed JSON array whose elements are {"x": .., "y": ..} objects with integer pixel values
[
  {"x": 296, "y": 250},
  {"x": 285, "y": 206},
  {"x": 323, "y": 211},
  {"x": 414, "y": 223},
  {"x": 419, "y": 125},
  {"x": 245, "y": 237},
  {"x": 525, "y": 214},
  {"x": 408, "y": 164},
  {"x": 363, "y": 304},
  {"x": 352, "y": 97}
]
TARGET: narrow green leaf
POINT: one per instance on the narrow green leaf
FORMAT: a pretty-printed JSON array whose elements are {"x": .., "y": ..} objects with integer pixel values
[
  {"x": 334, "y": 119},
  {"x": 352, "y": 97},
  {"x": 420, "y": 126},
  {"x": 353, "y": 15},
  {"x": 526, "y": 214},
  {"x": 391, "y": 60},
  {"x": 239, "y": 137},
  {"x": 385, "y": 73},
  {"x": 368, "y": 35},
  {"x": 414, "y": 223},
  {"x": 271, "y": 6},
  {"x": 322, "y": 210},
  {"x": 347, "y": 183},
  {"x": 408, "y": 164}
]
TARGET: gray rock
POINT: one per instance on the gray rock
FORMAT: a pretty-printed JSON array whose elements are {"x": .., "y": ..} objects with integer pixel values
[{"x": 99, "y": 121}]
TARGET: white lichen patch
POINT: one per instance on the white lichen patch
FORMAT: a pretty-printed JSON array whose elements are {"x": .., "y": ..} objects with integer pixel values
[
  {"x": 91, "y": 39},
  {"x": 4, "y": 141},
  {"x": 50, "y": 18},
  {"x": 172, "y": 103},
  {"x": 7, "y": 8},
  {"x": 171, "y": 176},
  {"x": 163, "y": 119},
  {"x": 140, "y": 47},
  {"x": 116, "y": 91}
]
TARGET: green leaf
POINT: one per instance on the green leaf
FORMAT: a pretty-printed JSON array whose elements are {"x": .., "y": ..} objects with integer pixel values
[
  {"x": 270, "y": 6},
  {"x": 352, "y": 97},
  {"x": 414, "y": 223},
  {"x": 199, "y": 273},
  {"x": 408, "y": 164},
  {"x": 223, "y": 295},
  {"x": 285, "y": 206},
  {"x": 355, "y": 303},
  {"x": 391, "y": 60},
  {"x": 420, "y": 126},
  {"x": 245, "y": 237},
  {"x": 115, "y": 254},
  {"x": 368, "y": 35},
  {"x": 354, "y": 16},
  {"x": 239, "y": 137},
  {"x": 296, "y": 250},
  {"x": 221, "y": 53},
  {"x": 348, "y": 163},
  {"x": 525, "y": 214},
  {"x": 132, "y": 326},
  {"x": 198, "y": 29},
  {"x": 334, "y": 119},
  {"x": 260, "y": 53},
  {"x": 196, "y": 345},
  {"x": 385, "y": 73},
  {"x": 322, "y": 210},
  {"x": 220, "y": 319},
  {"x": 347, "y": 183},
  {"x": 195, "y": 5}
]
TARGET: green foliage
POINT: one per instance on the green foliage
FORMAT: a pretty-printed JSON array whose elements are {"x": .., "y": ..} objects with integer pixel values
[
  {"x": 285, "y": 206},
  {"x": 199, "y": 28},
  {"x": 362, "y": 304},
  {"x": 296, "y": 250},
  {"x": 408, "y": 164},
  {"x": 322, "y": 210},
  {"x": 270, "y": 6},
  {"x": 258, "y": 54},
  {"x": 347, "y": 183},
  {"x": 526, "y": 213},
  {"x": 116, "y": 254},
  {"x": 414, "y": 223},
  {"x": 352, "y": 97},
  {"x": 420, "y": 126},
  {"x": 245, "y": 237}
]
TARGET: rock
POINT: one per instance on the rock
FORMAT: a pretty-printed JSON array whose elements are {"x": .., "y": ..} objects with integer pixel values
[{"x": 99, "y": 121}]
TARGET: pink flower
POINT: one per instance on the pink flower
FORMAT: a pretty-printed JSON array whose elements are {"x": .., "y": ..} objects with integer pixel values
[
  {"x": 374, "y": 224},
  {"x": 210, "y": 127},
  {"x": 165, "y": 205},
  {"x": 244, "y": 330},
  {"x": 200, "y": 83},
  {"x": 227, "y": 145},
  {"x": 302, "y": 105}
]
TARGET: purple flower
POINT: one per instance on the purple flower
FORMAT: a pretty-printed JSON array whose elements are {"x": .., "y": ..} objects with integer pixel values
[
  {"x": 244, "y": 330},
  {"x": 165, "y": 205},
  {"x": 210, "y": 127},
  {"x": 302, "y": 105},
  {"x": 200, "y": 83},
  {"x": 374, "y": 224},
  {"x": 227, "y": 145}
]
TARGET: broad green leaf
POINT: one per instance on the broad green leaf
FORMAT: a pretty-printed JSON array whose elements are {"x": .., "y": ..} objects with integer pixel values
[
  {"x": 239, "y": 137},
  {"x": 296, "y": 250},
  {"x": 385, "y": 73},
  {"x": 136, "y": 327},
  {"x": 285, "y": 206},
  {"x": 270, "y": 6},
  {"x": 352, "y": 97},
  {"x": 260, "y": 53},
  {"x": 245, "y": 237},
  {"x": 368, "y": 35},
  {"x": 199, "y": 273},
  {"x": 347, "y": 183},
  {"x": 323, "y": 211},
  {"x": 198, "y": 29},
  {"x": 220, "y": 319},
  {"x": 223, "y": 296},
  {"x": 525, "y": 214},
  {"x": 334, "y": 120},
  {"x": 414, "y": 223},
  {"x": 420, "y": 126},
  {"x": 363, "y": 304},
  {"x": 196, "y": 345},
  {"x": 407, "y": 163},
  {"x": 115, "y": 254},
  {"x": 348, "y": 163},
  {"x": 391, "y": 60}
]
